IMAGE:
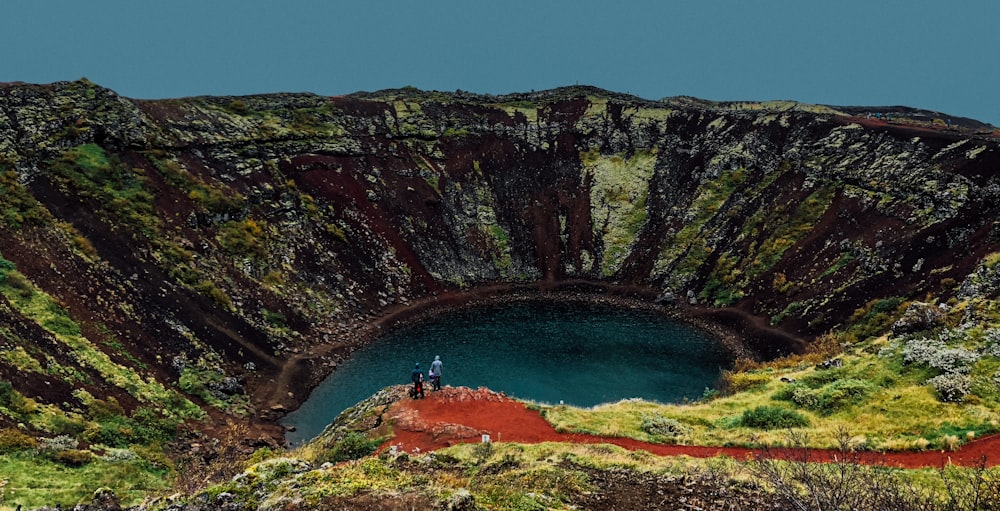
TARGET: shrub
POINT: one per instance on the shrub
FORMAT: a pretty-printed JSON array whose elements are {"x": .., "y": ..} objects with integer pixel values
[
  {"x": 6, "y": 393},
  {"x": 951, "y": 387},
  {"x": 772, "y": 417},
  {"x": 842, "y": 393},
  {"x": 63, "y": 425},
  {"x": 154, "y": 427},
  {"x": 800, "y": 394},
  {"x": 115, "y": 431},
  {"x": 991, "y": 342},
  {"x": 658, "y": 425},
  {"x": 72, "y": 457},
  {"x": 99, "y": 409},
  {"x": 5, "y": 266},
  {"x": 934, "y": 353},
  {"x": 208, "y": 288},
  {"x": 275, "y": 319},
  {"x": 243, "y": 238},
  {"x": 114, "y": 455},
  {"x": 352, "y": 446},
  {"x": 14, "y": 401},
  {"x": 738, "y": 381},
  {"x": 12, "y": 440},
  {"x": 59, "y": 443}
]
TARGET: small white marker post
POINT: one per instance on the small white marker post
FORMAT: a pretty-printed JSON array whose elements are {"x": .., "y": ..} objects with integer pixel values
[{"x": 486, "y": 439}]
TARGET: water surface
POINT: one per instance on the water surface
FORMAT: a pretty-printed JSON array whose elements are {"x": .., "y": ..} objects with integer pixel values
[{"x": 579, "y": 354}]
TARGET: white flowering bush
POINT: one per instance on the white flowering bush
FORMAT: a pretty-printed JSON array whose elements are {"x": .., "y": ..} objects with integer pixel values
[
  {"x": 951, "y": 387},
  {"x": 116, "y": 455},
  {"x": 59, "y": 443},
  {"x": 991, "y": 342},
  {"x": 950, "y": 353},
  {"x": 934, "y": 352},
  {"x": 658, "y": 425}
]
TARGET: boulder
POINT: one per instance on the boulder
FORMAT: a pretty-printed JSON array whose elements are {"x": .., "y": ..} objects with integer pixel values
[{"x": 919, "y": 316}]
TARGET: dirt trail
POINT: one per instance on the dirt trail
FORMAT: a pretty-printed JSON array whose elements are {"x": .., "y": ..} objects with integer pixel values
[{"x": 460, "y": 415}]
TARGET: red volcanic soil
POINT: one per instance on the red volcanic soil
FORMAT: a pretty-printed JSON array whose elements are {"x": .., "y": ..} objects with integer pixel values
[{"x": 461, "y": 415}]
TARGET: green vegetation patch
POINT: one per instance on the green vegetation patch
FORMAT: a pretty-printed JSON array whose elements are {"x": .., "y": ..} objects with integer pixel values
[
  {"x": 787, "y": 232},
  {"x": 210, "y": 198},
  {"x": 244, "y": 238},
  {"x": 38, "y": 306},
  {"x": 772, "y": 417},
  {"x": 619, "y": 188},
  {"x": 17, "y": 206},
  {"x": 721, "y": 288},
  {"x": 828, "y": 398},
  {"x": 688, "y": 248},
  {"x": 123, "y": 194},
  {"x": 33, "y": 479}
]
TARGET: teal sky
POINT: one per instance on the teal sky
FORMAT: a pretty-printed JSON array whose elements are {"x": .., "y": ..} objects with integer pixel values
[{"x": 942, "y": 56}]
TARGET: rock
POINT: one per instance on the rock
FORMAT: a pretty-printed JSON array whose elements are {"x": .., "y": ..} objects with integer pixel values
[
  {"x": 919, "y": 316},
  {"x": 667, "y": 297},
  {"x": 106, "y": 500},
  {"x": 830, "y": 364},
  {"x": 462, "y": 500},
  {"x": 227, "y": 387}
]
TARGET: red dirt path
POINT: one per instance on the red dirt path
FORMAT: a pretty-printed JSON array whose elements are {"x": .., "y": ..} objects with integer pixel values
[{"x": 460, "y": 415}]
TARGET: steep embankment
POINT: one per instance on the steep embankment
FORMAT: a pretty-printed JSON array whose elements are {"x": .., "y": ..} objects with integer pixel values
[{"x": 182, "y": 255}]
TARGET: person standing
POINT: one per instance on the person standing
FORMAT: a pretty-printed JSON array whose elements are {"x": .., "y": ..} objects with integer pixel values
[
  {"x": 417, "y": 377},
  {"x": 436, "y": 367}
]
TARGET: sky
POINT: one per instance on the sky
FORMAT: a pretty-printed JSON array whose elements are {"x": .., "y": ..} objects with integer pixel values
[{"x": 942, "y": 56}]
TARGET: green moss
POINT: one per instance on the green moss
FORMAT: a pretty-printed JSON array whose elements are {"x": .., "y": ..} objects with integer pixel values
[
  {"x": 211, "y": 290},
  {"x": 210, "y": 198},
  {"x": 772, "y": 417},
  {"x": 17, "y": 206},
  {"x": 36, "y": 305},
  {"x": 502, "y": 258},
  {"x": 720, "y": 288},
  {"x": 845, "y": 259},
  {"x": 619, "y": 189},
  {"x": 121, "y": 192},
  {"x": 244, "y": 238},
  {"x": 875, "y": 317},
  {"x": 34, "y": 481},
  {"x": 787, "y": 232},
  {"x": 991, "y": 260},
  {"x": 687, "y": 250},
  {"x": 790, "y": 309},
  {"x": 20, "y": 359}
]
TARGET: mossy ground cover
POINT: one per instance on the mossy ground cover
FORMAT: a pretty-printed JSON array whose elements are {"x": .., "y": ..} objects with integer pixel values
[
  {"x": 872, "y": 393},
  {"x": 37, "y": 305},
  {"x": 33, "y": 481},
  {"x": 618, "y": 194},
  {"x": 550, "y": 475}
]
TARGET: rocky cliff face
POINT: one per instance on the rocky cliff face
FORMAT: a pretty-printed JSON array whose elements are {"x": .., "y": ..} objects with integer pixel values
[{"x": 178, "y": 254}]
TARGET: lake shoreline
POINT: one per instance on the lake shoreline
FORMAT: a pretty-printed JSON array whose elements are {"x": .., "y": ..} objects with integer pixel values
[{"x": 742, "y": 334}]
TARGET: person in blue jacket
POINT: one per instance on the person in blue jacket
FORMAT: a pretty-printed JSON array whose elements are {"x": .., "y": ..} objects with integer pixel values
[{"x": 417, "y": 377}]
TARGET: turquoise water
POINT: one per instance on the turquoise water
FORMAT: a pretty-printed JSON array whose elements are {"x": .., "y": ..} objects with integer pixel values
[{"x": 579, "y": 354}]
